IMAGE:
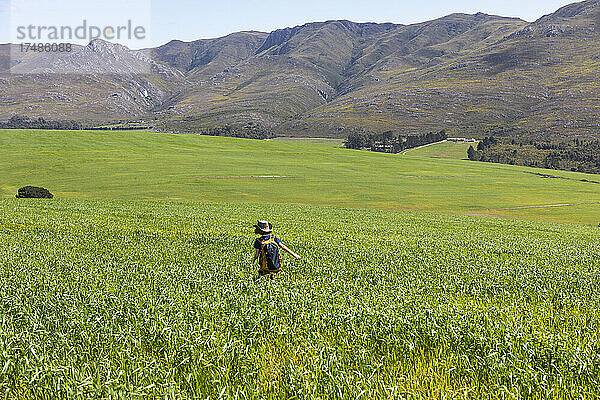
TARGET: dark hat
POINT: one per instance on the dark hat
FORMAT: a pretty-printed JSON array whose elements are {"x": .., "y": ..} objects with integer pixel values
[{"x": 263, "y": 227}]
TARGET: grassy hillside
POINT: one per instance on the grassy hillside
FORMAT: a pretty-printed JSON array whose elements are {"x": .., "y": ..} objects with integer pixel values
[
  {"x": 452, "y": 150},
  {"x": 158, "y": 299},
  {"x": 141, "y": 165}
]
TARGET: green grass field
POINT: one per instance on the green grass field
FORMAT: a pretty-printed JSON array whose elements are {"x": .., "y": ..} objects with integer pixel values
[
  {"x": 136, "y": 280},
  {"x": 109, "y": 299},
  {"x": 149, "y": 166},
  {"x": 452, "y": 150}
]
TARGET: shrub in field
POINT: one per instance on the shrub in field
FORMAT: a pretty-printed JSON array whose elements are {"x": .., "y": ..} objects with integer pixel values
[{"x": 32, "y": 192}]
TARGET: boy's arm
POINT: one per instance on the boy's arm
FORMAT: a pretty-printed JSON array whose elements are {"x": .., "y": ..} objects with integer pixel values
[
  {"x": 256, "y": 254},
  {"x": 284, "y": 247}
]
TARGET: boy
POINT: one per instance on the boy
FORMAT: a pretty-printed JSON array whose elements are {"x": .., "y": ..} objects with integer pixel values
[{"x": 267, "y": 250}]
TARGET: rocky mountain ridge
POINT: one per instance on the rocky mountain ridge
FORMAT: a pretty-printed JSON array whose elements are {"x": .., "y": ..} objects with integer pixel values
[{"x": 463, "y": 73}]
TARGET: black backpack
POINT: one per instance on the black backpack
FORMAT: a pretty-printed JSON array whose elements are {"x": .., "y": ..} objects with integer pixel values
[{"x": 270, "y": 259}]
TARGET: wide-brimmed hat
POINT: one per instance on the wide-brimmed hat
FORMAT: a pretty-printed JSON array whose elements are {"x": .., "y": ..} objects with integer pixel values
[{"x": 263, "y": 227}]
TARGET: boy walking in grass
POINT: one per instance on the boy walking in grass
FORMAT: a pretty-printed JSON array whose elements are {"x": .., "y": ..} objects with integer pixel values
[{"x": 267, "y": 250}]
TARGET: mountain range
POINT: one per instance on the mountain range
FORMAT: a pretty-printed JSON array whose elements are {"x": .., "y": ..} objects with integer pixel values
[{"x": 467, "y": 74}]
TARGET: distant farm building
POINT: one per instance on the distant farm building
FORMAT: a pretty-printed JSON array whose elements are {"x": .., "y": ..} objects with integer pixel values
[
  {"x": 383, "y": 148},
  {"x": 462, "y": 140}
]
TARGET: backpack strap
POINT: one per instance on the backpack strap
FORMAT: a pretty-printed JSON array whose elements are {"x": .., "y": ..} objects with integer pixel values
[{"x": 270, "y": 240}]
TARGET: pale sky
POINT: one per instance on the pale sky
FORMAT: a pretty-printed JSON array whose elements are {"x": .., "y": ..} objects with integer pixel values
[{"x": 191, "y": 20}]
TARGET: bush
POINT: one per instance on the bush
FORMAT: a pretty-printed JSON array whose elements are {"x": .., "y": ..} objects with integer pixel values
[{"x": 32, "y": 192}]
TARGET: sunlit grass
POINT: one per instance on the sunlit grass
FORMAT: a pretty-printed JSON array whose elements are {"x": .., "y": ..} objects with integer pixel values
[
  {"x": 124, "y": 299},
  {"x": 155, "y": 166}
]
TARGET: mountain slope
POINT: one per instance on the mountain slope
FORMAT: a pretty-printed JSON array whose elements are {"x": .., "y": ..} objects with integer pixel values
[
  {"x": 542, "y": 78},
  {"x": 99, "y": 82},
  {"x": 301, "y": 70},
  {"x": 298, "y": 70},
  {"x": 467, "y": 74},
  {"x": 203, "y": 59}
]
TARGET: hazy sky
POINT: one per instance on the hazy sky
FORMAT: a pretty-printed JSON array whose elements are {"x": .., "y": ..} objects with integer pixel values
[{"x": 189, "y": 20}]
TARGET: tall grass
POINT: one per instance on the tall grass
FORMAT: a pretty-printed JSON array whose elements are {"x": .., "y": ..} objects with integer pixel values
[{"x": 124, "y": 299}]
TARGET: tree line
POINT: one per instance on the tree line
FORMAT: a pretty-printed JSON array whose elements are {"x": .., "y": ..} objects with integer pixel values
[
  {"x": 249, "y": 131},
  {"x": 20, "y": 122},
  {"x": 389, "y": 142},
  {"x": 570, "y": 155}
]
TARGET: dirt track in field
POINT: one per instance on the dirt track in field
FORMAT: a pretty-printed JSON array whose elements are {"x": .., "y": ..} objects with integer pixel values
[
  {"x": 539, "y": 206},
  {"x": 420, "y": 147},
  {"x": 242, "y": 176},
  {"x": 487, "y": 212}
]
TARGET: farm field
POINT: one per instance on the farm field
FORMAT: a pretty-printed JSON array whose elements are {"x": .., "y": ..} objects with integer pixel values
[
  {"x": 153, "y": 166},
  {"x": 333, "y": 142},
  {"x": 107, "y": 299},
  {"x": 452, "y": 150}
]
